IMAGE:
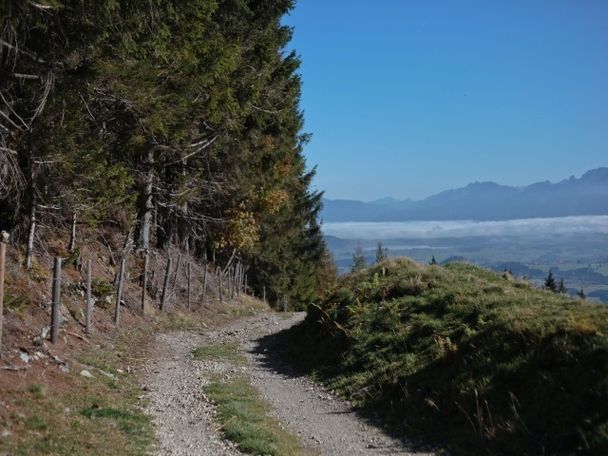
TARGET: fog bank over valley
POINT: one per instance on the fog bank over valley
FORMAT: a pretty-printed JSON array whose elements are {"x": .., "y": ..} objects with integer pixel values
[{"x": 466, "y": 228}]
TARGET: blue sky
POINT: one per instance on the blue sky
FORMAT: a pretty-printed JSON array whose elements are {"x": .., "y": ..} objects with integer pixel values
[{"x": 408, "y": 98}]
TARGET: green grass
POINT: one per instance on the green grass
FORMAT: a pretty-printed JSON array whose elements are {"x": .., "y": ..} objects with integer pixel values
[
  {"x": 245, "y": 421},
  {"x": 133, "y": 424},
  {"x": 467, "y": 358},
  {"x": 229, "y": 352}
]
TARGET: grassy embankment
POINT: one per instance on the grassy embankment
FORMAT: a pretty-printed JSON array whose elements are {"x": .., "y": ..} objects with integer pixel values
[{"x": 474, "y": 360}]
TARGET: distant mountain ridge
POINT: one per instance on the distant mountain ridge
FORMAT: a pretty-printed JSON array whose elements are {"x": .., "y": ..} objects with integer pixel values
[{"x": 587, "y": 195}]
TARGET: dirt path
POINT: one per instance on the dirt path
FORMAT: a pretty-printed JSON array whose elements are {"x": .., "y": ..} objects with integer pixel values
[{"x": 184, "y": 418}]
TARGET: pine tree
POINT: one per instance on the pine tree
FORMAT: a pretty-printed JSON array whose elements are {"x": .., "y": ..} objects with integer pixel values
[
  {"x": 550, "y": 282},
  {"x": 562, "y": 287},
  {"x": 381, "y": 253},
  {"x": 433, "y": 260},
  {"x": 581, "y": 294},
  {"x": 214, "y": 156},
  {"x": 358, "y": 263}
]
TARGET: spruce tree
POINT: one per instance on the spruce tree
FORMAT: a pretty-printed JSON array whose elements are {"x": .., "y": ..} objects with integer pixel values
[
  {"x": 550, "y": 282},
  {"x": 562, "y": 287},
  {"x": 381, "y": 253},
  {"x": 185, "y": 112},
  {"x": 358, "y": 262},
  {"x": 581, "y": 294}
]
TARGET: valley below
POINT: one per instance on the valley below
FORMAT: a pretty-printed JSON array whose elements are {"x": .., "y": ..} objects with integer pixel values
[{"x": 573, "y": 248}]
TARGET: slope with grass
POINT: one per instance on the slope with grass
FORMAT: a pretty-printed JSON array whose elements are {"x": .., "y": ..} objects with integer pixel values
[{"x": 475, "y": 360}]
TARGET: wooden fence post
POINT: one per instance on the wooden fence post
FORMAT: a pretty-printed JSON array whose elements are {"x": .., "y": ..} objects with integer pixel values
[
  {"x": 144, "y": 284},
  {"x": 3, "y": 242},
  {"x": 204, "y": 285},
  {"x": 233, "y": 272},
  {"x": 88, "y": 298},
  {"x": 264, "y": 294},
  {"x": 179, "y": 263},
  {"x": 229, "y": 285},
  {"x": 237, "y": 279},
  {"x": 219, "y": 284},
  {"x": 163, "y": 299},
  {"x": 189, "y": 276},
  {"x": 56, "y": 301},
  {"x": 121, "y": 278}
]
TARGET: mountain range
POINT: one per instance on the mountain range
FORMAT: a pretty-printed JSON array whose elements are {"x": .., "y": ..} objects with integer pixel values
[{"x": 587, "y": 195}]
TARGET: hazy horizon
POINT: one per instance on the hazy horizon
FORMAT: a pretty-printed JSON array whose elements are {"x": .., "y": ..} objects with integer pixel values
[{"x": 465, "y": 228}]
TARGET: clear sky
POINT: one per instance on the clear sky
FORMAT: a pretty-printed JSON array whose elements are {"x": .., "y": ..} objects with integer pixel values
[{"x": 406, "y": 98}]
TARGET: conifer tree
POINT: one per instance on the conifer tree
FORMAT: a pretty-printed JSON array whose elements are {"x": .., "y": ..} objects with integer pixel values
[
  {"x": 358, "y": 262},
  {"x": 381, "y": 253},
  {"x": 550, "y": 282},
  {"x": 182, "y": 112},
  {"x": 562, "y": 287},
  {"x": 581, "y": 294}
]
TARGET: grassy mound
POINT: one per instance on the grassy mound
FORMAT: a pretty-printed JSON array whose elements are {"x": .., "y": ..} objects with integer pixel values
[{"x": 474, "y": 360}]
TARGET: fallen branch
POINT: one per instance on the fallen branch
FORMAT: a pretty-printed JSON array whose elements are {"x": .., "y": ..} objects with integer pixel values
[{"x": 78, "y": 336}]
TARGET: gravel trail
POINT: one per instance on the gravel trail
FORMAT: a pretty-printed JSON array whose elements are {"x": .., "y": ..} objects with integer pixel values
[{"x": 184, "y": 417}]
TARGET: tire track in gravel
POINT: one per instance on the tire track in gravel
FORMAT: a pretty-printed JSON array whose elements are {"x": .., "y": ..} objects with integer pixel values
[{"x": 184, "y": 417}]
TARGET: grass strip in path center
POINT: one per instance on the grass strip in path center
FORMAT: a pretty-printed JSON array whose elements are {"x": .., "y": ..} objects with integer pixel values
[{"x": 244, "y": 419}]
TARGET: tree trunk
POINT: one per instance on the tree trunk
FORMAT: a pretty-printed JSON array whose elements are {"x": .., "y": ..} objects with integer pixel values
[
  {"x": 204, "y": 285},
  {"x": 144, "y": 281},
  {"x": 145, "y": 205},
  {"x": 72, "y": 243},
  {"x": 175, "y": 276},
  {"x": 30, "y": 237},
  {"x": 189, "y": 283}
]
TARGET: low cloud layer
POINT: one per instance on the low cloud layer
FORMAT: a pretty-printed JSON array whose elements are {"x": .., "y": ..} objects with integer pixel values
[{"x": 462, "y": 229}]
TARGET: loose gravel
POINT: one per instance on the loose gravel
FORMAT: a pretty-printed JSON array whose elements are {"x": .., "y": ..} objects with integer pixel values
[{"x": 184, "y": 418}]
